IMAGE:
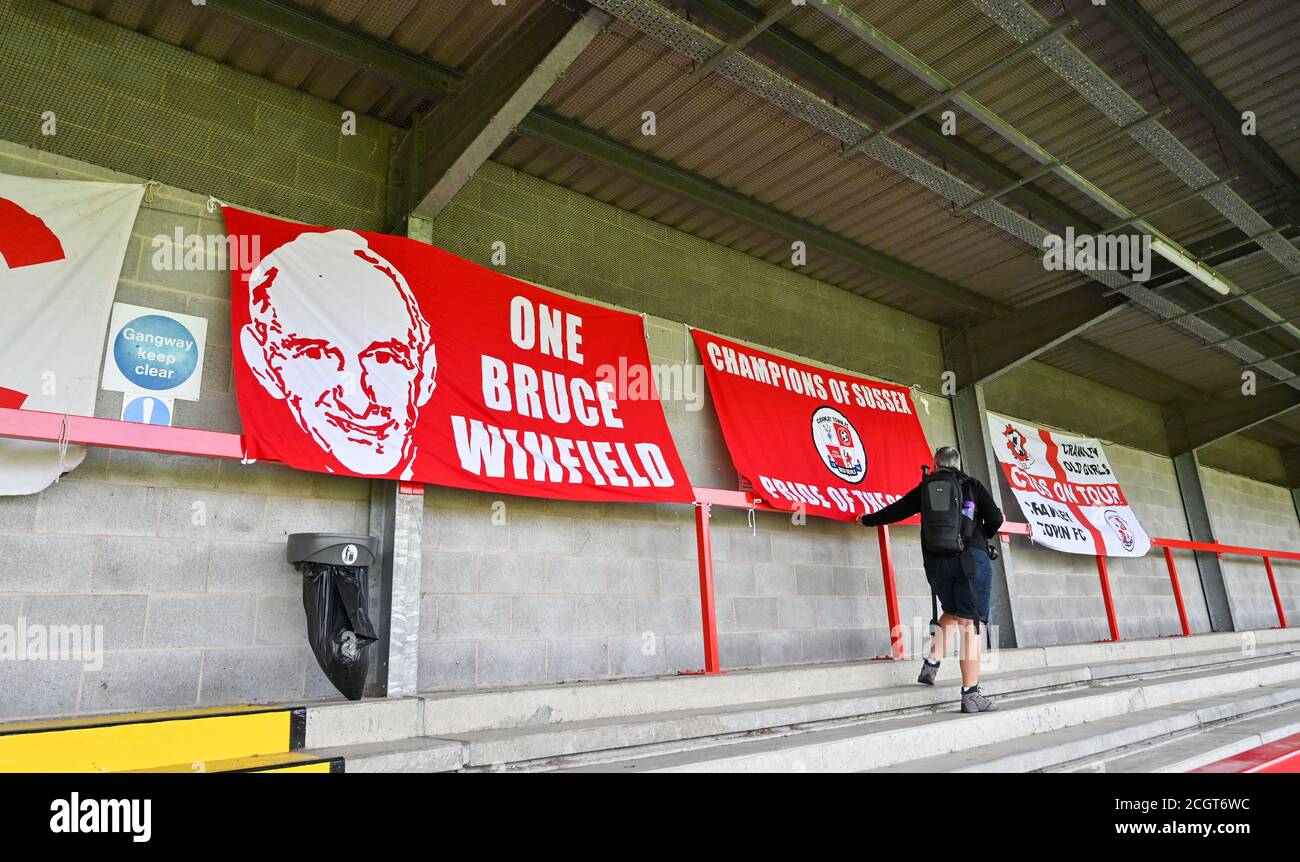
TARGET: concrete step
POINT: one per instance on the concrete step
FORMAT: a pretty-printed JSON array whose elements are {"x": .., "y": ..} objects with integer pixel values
[
  {"x": 453, "y": 713},
  {"x": 884, "y": 742},
  {"x": 345, "y": 723},
  {"x": 573, "y": 725},
  {"x": 1087, "y": 745},
  {"x": 422, "y": 754},
  {"x": 1183, "y": 752},
  {"x": 676, "y": 730}
]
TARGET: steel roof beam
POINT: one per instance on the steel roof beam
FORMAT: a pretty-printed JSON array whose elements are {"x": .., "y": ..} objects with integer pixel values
[
  {"x": 1063, "y": 161},
  {"x": 1020, "y": 20},
  {"x": 956, "y": 90},
  {"x": 855, "y": 90},
  {"x": 1156, "y": 210},
  {"x": 1191, "y": 426},
  {"x": 707, "y": 67},
  {"x": 324, "y": 34},
  {"x": 630, "y": 161},
  {"x": 1157, "y": 46},
  {"x": 995, "y": 346},
  {"x": 422, "y": 75},
  {"x": 504, "y": 84}
]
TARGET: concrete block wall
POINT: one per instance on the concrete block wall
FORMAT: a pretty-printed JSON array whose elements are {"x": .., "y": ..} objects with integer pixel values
[
  {"x": 550, "y": 591},
  {"x": 153, "y": 110},
  {"x": 1058, "y": 596},
  {"x": 208, "y": 613},
  {"x": 180, "y": 560},
  {"x": 1257, "y": 515},
  {"x": 553, "y": 591}
]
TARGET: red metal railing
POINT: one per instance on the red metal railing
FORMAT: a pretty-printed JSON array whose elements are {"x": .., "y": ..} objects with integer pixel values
[{"x": 112, "y": 433}]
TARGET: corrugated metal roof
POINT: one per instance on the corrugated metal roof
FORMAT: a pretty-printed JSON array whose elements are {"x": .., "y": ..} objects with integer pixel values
[
  {"x": 1248, "y": 51},
  {"x": 716, "y": 130}
]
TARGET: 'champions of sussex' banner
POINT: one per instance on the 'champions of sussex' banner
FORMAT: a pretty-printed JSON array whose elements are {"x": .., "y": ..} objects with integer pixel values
[
  {"x": 1067, "y": 491},
  {"x": 810, "y": 439},
  {"x": 381, "y": 356}
]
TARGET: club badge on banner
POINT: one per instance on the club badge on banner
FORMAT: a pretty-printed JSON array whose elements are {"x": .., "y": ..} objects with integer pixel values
[
  {"x": 61, "y": 248},
  {"x": 1067, "y": 491},
  {"x": 381, "y": 356},
  {"x": 809, "y": 439}
]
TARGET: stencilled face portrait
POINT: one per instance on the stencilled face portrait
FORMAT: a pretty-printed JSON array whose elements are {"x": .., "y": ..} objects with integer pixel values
[{"x": 336, "y": 333}]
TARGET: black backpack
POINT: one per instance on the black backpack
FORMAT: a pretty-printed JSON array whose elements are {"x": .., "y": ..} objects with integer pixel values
[{"x": 944, "y": 530}]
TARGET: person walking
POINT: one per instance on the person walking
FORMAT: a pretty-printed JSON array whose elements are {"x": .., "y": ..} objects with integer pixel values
[{"x": 958, "y": 516}]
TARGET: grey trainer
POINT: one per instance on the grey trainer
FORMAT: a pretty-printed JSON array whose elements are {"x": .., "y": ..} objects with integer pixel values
[
  {"x": 975, "y": 701},
  {"x": 928, "y": 673}
]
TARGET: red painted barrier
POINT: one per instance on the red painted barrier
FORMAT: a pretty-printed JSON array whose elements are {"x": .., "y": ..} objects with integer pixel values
[
  {"x": 115, "y": 434},
  {"x": 1178, "y": 590},
  {"x": 708, "y": 610},
  {"x": 891, "y": 594},
  {"x": 1111, "y": 618},
  {"x": 1282, "y": 755}
]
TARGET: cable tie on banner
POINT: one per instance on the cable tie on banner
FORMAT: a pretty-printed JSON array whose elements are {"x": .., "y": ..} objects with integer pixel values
[
  {"x": 214, "y": 204},
  {"x": 64, "y": 434},
  {"x": 149, "y": 188},
  {"x": 243, "y": 449},
  {"x": 753, "y": 521}
]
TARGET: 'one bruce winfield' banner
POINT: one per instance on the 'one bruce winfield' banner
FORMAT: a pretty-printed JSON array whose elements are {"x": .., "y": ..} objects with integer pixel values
[
  {"x": 810, "y": 439},
  {"x": 1067, "y": 490},
  {"x": 380, "y": 356}
]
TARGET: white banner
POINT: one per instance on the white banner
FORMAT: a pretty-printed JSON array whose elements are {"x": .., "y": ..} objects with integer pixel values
[
  {"x": 1067, "y": 491},
  {"x": 61, "y": 249}
]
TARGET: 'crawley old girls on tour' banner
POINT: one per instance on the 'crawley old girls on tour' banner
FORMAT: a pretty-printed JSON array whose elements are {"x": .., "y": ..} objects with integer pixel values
[
  {"x": 810, "y": 439},
  {"x": 1067, "y": 490},
  {"x": 380, "y": 356}
]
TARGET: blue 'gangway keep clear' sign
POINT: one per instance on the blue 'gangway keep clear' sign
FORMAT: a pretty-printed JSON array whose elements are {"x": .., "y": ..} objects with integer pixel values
[{"x": 154, "y": 351}]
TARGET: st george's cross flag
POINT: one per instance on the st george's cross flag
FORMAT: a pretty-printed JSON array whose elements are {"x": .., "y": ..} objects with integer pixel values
[{"x": 61, "y": 248}]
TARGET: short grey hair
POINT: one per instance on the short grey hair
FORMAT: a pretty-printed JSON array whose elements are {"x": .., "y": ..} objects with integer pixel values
[{"x": 947, "y": 456}]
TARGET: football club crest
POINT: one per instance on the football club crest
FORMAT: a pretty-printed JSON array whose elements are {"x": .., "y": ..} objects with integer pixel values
[
  {"x": 1015, "y": 440},
  {"x": 839, "y": 445},
  {"x": 1121, "y": 528}
]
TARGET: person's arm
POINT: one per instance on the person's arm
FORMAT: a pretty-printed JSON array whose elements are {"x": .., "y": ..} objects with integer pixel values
[
  {"x": 990, "y": 514},
  {"x": 904, "y": 507}
]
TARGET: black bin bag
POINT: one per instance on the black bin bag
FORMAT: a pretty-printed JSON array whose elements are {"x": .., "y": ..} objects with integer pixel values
[{"x": 334, "y": 595}]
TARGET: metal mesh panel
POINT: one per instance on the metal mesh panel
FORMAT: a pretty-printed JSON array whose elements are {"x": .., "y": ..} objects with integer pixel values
[
  {"x": 784, "y": 93},
  {"x": 33, "y": 35},
  {"x": 138, "y": 105},
  {"x": 1025, "y": 24}
]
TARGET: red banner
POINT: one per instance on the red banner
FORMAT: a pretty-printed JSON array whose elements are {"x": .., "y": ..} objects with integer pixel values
[
  {"x": 381, "y": 356},
  {"x": 807, "y": 438}
]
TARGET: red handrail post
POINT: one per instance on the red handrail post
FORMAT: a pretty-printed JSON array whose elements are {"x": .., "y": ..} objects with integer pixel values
[
  {"x": 708, "y": 610},
  {"x": 1178, "y": 590},
  {"x": 1106, "y": 596},
  {"x": 1277, "y": 597},
  {"x": 896, "y": 649}
]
